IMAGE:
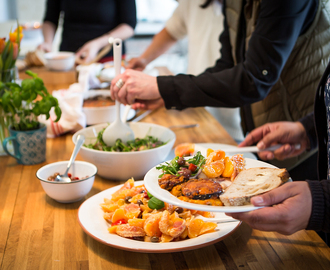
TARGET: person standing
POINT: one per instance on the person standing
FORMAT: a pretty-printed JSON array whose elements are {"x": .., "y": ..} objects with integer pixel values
[
  {"x": 87, "y": 25},
  {"x": 201, "y": 22},
  {"x": 272, "y": 56}
]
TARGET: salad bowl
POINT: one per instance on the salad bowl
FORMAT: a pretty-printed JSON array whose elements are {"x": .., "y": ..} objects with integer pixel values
[{"x": 124, "y": 165}]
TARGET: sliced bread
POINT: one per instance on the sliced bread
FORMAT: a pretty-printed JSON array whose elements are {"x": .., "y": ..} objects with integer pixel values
[{"x": 252, "y": 182}]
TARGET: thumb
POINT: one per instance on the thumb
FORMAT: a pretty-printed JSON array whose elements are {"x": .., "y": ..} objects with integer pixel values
[{"x": 272, "y": 197}]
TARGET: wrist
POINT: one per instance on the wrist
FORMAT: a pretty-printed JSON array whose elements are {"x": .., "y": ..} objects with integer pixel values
[{"x": 304, "y": 135}]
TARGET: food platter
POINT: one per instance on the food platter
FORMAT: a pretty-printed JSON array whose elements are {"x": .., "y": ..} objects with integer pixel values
[
  {"x": 151, "y": 184},
  {"x": 90, "y": 216}
]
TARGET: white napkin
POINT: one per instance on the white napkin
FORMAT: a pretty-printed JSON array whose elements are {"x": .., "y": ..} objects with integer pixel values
[{"x": 72, "y": 119}]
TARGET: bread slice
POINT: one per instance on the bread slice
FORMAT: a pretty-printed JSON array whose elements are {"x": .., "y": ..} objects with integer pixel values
[{"x": 252, "y": 182}]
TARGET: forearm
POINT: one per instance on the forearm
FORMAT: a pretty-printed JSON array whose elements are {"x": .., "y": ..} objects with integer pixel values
[
  {"x": 48, "y": 31},
  {"x": 160, "y": 44},
  {"x": 122, "y": 31}
]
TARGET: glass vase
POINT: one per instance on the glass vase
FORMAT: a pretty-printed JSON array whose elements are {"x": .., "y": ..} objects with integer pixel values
[{"x": 10, "y": 75}]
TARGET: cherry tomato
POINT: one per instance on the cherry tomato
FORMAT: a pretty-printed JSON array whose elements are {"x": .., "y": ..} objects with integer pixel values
[
  {"x": 192, "y": 167},
  {"x": 119, "y": 222}
]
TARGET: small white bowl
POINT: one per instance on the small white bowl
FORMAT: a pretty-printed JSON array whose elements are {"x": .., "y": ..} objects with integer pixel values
[
  {"x": 64, "y": 192},
  {"x": 124, "y": 165},
  {"x": 60, "y": 61}
]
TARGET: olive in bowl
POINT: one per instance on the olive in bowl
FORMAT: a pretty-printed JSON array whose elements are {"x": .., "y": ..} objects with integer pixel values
[{"x": 67, "y": 192}]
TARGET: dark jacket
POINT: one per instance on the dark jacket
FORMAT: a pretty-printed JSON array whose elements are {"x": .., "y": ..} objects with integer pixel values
[{"x": 320, "y": 218}]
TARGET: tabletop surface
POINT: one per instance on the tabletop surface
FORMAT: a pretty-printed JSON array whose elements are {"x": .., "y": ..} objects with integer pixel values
[{"x": 37, "y": 232}]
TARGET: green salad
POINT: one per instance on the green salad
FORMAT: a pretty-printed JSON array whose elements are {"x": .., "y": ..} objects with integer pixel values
[
  {"x": 138, "y": 144},
  {"x": 180, "y": 166}
]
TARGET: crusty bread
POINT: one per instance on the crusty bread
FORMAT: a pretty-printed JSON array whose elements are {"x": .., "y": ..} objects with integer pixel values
[{"x": 251, "y": 182}]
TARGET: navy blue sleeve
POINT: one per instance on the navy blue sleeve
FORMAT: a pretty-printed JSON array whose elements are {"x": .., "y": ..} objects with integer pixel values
[
  {"x": 279, "y": 25},
  {"x": 52, "y": 11},
  {"x": 127, "y": 12}
]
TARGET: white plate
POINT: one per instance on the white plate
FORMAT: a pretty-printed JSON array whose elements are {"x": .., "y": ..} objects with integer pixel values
[
  {"x": 90, "y": 216},
  {"x": 202, "y": 147},
  {"x": 151, "y": 184}
]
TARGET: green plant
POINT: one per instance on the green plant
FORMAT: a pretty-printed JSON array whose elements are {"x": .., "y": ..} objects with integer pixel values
[{"x": 24, "y": 103}]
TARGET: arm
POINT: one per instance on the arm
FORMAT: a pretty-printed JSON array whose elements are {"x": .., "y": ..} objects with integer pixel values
[
  {"x": 290, "y": 209},
  {"x": 48, "y": 31},
  {"x": 92, "y": 47},
  {"x": 268, "y": 50},
  {"x": 286, "y": 133},
  {"x": 126, "y": 17},
  {"x": 174, "y": 29},
  {"x": 294, "y": 206},
  {"x": 160, "y": 44},
  {"x": 50, "y": 23}
]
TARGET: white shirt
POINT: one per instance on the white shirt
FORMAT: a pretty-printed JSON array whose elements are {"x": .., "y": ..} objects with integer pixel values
[{"x": 203, "y": 28}]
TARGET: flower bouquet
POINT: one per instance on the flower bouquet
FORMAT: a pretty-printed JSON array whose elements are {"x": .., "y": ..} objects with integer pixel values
[{"x": 9, "y": 50}]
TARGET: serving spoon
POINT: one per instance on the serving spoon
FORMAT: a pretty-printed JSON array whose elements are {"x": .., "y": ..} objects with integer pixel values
[
  {"x": 65, "y": 177},
  {"x": 117, "y": 129}
]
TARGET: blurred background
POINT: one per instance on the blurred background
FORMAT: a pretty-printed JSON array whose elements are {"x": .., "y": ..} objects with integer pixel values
[{"x": 151, "y": 14}]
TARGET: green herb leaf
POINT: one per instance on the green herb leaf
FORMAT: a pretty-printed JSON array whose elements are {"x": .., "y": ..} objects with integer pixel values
[{"x": 155, "y": 203}]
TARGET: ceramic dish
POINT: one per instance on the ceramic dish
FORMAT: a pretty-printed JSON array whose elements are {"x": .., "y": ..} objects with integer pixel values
[
  {"x": 151, "y": 184},
  {"x": 90, "y": 216}
]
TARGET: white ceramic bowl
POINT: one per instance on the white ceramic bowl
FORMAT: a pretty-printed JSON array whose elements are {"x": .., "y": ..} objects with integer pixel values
[
  {"x": 103, "y": 114},
  {"x": 124, "y": 165},
  {"x": 60, "y": 61},
  {"x": 68, "y": 192}
]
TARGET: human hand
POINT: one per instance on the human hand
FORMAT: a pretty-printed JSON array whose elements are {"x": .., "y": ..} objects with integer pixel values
[
  {"x": 290, "y": 207},
  {"x": 139, "y": 90},
  {"x": 87, "y": 52},
  {"x": 137, "y": 63},
  {"x": 45, "y": 47},
  {"x": 286, "y": 133}
]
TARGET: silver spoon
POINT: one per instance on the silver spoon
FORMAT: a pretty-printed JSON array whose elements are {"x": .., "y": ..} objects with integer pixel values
[{"x": 64, "y": 177}]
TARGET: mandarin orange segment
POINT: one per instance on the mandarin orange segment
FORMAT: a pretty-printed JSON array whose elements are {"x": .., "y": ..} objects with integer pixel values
[
  {"x": 208, "y": 227},
  {"x": 209, "y": 151},
  {"x": 229, "y": 168},
  {"x": 184, "y": 149},
  {"x": 123, "y": 191},
  {"x": 214, "y": 169},
  {"x": 109, "y": 207},
  {"x": 112, "y": 229},
  {"x": 137, "y": 222},
  {"x": 151, "y": 225},
  {"x": 118, "y": 214},
  {"x": 166, "y": 238},
  {"x": 184, "y": 235},
  {"x": 215, "y": 155},
  {"x": 195, "y": 227},
  {"x": 132, "y": 210}
]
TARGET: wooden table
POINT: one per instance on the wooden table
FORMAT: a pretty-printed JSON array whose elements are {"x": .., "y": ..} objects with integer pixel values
[{"x": 37, "y": 232}]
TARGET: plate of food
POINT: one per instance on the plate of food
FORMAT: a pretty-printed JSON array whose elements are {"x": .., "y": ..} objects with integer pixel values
[
  {"x": 121, "y": 217},
  {"x": 214, "y": 182}
]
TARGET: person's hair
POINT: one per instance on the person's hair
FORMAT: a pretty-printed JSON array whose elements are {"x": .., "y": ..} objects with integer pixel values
[{"x": 208, "y": 2}]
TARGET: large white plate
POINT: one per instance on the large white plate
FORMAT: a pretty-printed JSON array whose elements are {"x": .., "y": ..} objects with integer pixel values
[
  {"x": 202, "y": 147},
  {"x": 151, "y": 184},
  {"x": 90, "y": 216}
]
